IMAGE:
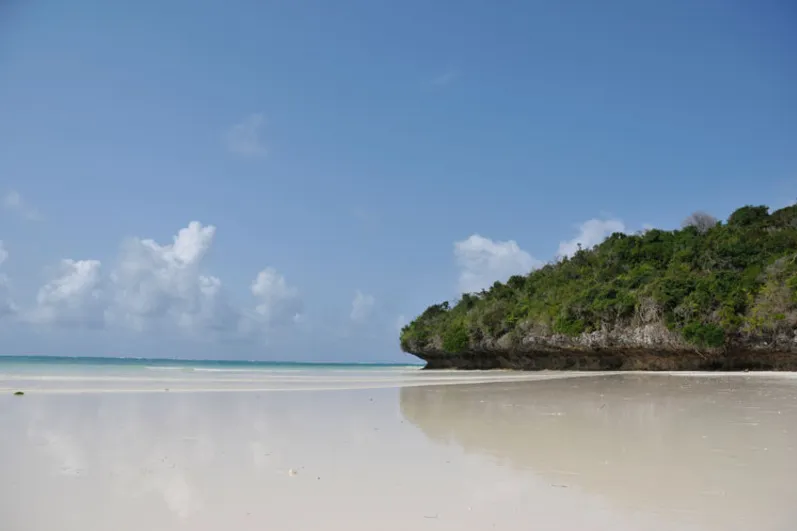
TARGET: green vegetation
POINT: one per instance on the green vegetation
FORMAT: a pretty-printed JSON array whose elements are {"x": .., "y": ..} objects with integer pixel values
[{"x": 712, "y": 282}]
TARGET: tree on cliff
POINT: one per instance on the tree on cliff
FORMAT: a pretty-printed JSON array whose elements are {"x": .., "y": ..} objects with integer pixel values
[
  {"x": 710, "y": 282},
  {"x": 701, "y": 221}
]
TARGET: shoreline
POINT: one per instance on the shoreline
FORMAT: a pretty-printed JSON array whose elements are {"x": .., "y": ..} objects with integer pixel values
[{"x": 48, "y": 385}]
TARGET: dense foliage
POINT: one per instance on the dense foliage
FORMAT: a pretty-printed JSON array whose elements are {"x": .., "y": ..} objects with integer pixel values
[{"x": 710, "y": 281}]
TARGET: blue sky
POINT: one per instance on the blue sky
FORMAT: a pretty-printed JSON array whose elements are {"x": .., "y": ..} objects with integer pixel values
[{"x": 371, "y": 157}]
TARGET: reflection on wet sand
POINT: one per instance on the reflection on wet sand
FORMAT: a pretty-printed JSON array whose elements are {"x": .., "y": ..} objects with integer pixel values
[
  {"x": 170, "y": 461},
  {"x": 331, "y": 460},
  {"x": 718, "y": 452},
  {"x": 593, "y": 453}
]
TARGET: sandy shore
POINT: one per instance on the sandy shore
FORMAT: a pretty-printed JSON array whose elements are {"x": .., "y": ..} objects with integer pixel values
[{"x": 397, "y": 450}]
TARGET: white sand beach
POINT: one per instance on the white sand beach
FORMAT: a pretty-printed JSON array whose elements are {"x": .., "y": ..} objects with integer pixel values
[{"x": 396, "y": 449}]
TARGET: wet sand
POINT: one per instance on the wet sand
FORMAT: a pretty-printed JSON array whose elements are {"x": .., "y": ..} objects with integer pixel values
[{"x": 397, "y": 450}]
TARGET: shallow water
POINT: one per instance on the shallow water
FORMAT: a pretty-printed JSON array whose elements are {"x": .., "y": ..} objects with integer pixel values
[{"x": 395, "y": 448}]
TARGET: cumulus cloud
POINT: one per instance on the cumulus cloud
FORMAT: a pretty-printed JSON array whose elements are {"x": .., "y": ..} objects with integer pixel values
[
  {"x": 13, "y": 202},
  {"x": 75, "y": 297},
  {"x": 278, "y": 302},
  {"x": 151, "y": 286},
  {"x": 590, "y": 233},
  {"x": 3, "y": 253},
  {"x": 482, "y": 261},
  {"x": 362, "y": 306},
  {"x": 244, "y": 138},
  {"x": 163, "y": 284}
]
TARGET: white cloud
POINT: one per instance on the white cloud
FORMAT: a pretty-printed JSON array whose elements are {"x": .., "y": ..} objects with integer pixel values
[
  {"x": 75, "y": 297},
  {"x": 446, "y": 77},
  {"x": 401, "y": 322},
  {"x": 482, "y": 261},
  {"x": 244, "y": 138},
  {"x": 279, "y": 302},
  {"x": 152, "y": 286},
  {"x": 13, "y": 202},
  {"x": 7, "y": 306},
  {"x": 156, "y": 284},
  {"x": 590, "y": 233},
  {"x": 162, "y": 286},
  {"x": 362, "y": 306}
]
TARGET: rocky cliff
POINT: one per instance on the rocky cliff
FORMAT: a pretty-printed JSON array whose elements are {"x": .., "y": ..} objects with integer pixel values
[{"x": 649, "y": 347}]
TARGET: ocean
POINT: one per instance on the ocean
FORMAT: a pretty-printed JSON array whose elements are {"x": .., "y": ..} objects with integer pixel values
[
  {"x": 79, "y": 362},
  {"x": 98, "y": 374}
]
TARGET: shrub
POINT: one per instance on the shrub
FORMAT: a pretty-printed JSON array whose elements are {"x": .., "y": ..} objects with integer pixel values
[
  {"x": 748, "y": 215},
  {"x": 455, "y": 338},
  {"x": 704, "y": 335}
]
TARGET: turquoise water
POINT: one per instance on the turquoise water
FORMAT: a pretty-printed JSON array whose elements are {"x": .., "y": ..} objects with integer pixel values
[
  {"x": 87, "y": 374},
  {"x": 87, "y": 361},
  {"x": 60, "y": 373}
]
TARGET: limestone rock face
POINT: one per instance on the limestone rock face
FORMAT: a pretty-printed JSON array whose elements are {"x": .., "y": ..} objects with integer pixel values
[{"x": 646, "y": 347}]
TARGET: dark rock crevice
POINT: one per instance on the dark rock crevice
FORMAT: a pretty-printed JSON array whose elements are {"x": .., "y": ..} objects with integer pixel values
[{"x": 637, "y": 360}]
